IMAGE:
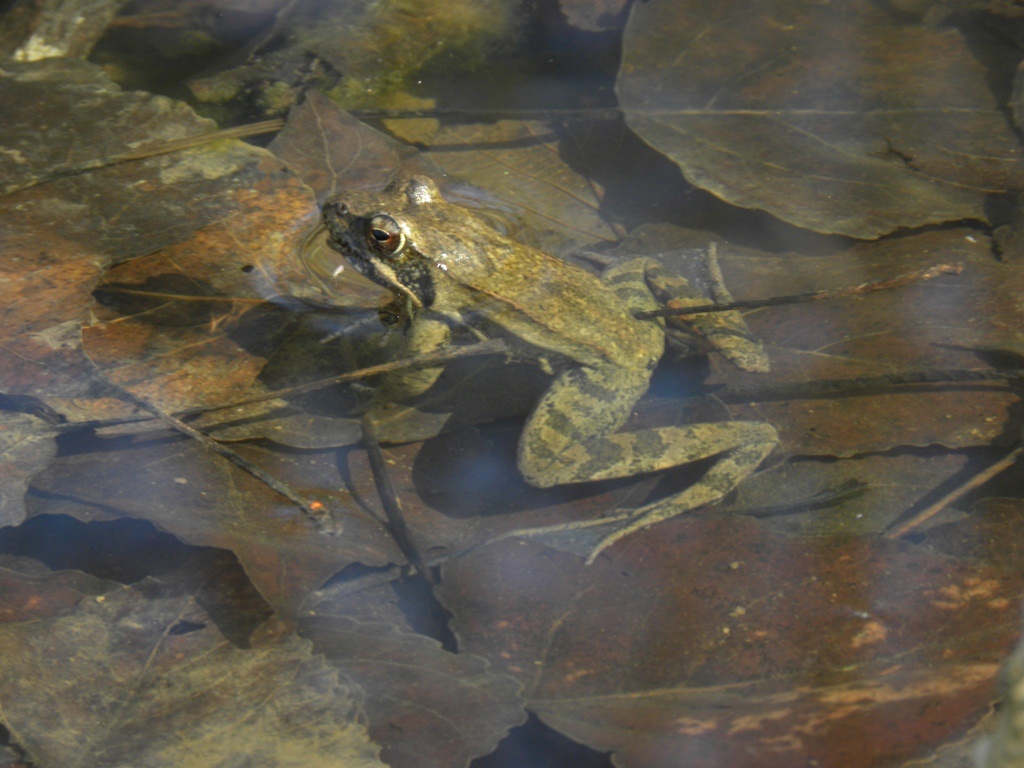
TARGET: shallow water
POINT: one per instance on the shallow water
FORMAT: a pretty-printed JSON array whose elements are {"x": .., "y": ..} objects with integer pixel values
[{"x": 204, "y": 565}]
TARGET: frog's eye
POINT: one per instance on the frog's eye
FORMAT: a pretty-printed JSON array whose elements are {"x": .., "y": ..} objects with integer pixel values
[{"x": 385, "y": 235}]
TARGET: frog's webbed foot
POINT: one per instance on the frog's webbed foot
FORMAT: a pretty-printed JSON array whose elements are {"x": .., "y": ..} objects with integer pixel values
[{"x": 588, "y": 538}]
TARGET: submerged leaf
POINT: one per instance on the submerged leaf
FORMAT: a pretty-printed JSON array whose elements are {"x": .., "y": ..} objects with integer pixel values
[
  {"x": 55, "y": 29},
  {"x": 426, "y": 707},
  {"x": 134, "y": 678},
  {"x": 205, "y": 500},
  {"x": 716, "y": 642},
  {"x": 518, "y": 163},
  {"x": 834, "y": 117},
  {"x": 949, "y": 322},
  {"x": 31, "y": 591},
  {"x": 26, "y": 447},
  {"x": 48, "y": 283},
  {"x": 357, "y": 50},
  {"x": 62, "y": 115}
]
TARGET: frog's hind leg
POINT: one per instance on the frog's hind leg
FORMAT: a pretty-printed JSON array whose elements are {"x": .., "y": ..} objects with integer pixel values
[
  {"x": 571, "y": 437},
  {"x": 741, "y": 446},
  {"x": 754, "y": 441}
]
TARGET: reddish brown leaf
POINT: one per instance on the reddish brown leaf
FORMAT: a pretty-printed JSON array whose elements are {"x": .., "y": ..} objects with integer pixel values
[
  {"x": 32, "y": 592},
  {"x": 48, "y": 285},
  {"x": 730, "y": 645}
]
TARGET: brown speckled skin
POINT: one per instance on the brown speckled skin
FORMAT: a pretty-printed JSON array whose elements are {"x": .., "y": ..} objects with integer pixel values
[{"x": 449, "y": 267}]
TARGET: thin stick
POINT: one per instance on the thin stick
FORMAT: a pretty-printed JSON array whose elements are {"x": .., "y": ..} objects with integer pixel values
[
  {"x": 272, "y": 126},
  {"x": 784, "y": 390},
  {"x": 900, "y": 281},
  {"x": 315, "y": 510},
  {"x": 977, "y": 480},
  {"x": 60, "y": 172},
  {"x": 181, "y": 296},
  {"x": 389, "y": 500},
  {"x": 489, "y": 347}
]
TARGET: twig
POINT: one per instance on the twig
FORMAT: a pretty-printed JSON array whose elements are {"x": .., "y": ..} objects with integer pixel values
[
  {"x": 389, "y": 500},
  {"x": 272, "y": 126},
  {"x": 315, "y": 510},
  {"x": 976, "y": 481},
  {"x": 599, "y": 113},
  {"x": 783, "y": 390},
  {"x": 900, "y": 281},
  {"x": 60, "y": 172},
  {"x": 489, "y": 347}
]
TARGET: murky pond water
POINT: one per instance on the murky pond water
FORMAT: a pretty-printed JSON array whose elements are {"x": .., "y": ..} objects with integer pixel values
[{"x": 427, "y": 384}]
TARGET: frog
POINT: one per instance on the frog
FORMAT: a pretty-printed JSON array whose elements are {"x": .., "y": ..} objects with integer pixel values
[{"x": 449, "y": 268}]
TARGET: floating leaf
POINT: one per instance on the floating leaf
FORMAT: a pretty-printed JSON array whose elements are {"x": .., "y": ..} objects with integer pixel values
[
  {"x": 333, "y": 152},
  {"x": 837, "y": 118},
  {"x": 135, "y": 678},
  {"x": 425, "y": 706},
  {"x": 518, "y": 163}
]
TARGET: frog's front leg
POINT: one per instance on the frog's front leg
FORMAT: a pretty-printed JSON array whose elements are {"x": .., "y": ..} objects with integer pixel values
[
  {"x": 425, "y": 335},
  {"x": 570, "y": 438}
]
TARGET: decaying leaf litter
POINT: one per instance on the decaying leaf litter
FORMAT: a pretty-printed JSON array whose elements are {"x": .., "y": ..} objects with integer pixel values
[{"x": 787, "y": 635}]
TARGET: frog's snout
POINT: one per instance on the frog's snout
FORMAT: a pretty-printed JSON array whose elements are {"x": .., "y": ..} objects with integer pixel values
[{"x": 334, "y": 213}]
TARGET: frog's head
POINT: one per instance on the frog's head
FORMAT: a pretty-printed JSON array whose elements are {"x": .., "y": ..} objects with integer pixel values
[{"x": 380, "y": 235}]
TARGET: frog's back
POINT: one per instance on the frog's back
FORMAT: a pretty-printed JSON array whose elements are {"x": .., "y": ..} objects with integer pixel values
[{"x": 562, "y": 308}]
